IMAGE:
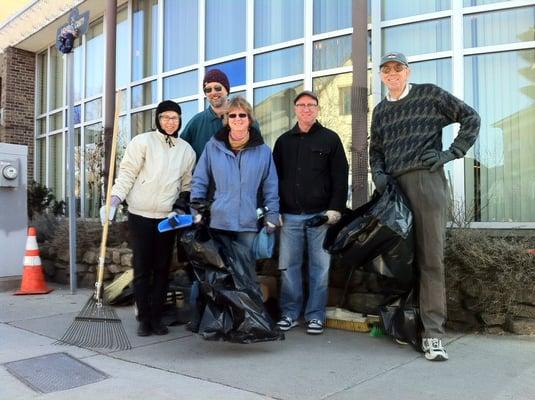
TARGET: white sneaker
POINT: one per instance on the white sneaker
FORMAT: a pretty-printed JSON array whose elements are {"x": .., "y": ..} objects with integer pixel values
[
  {"x": 433, "y": 349},
  {"x": 286, "y": 323},
  {"x": 314, "y": 327}
]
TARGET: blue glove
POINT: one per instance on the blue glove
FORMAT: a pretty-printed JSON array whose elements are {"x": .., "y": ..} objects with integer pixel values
[{"x": 434, "y": 159}]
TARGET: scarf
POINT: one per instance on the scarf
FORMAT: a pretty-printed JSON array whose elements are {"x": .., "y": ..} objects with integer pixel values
[{"x": 238, "y": 142}]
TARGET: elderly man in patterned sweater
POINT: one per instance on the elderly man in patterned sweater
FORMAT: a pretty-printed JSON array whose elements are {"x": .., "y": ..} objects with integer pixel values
[{"x": 406, "y": 143}]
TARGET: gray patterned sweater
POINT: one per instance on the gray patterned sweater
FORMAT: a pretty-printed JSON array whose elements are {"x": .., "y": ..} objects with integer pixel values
[{"x": 403, "y": 130}]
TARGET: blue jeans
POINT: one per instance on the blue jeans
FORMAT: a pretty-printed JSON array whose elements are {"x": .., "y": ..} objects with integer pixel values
[{"x": 294, "y": 237}]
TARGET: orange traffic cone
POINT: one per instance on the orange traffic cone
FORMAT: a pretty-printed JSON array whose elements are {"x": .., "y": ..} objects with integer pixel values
[{"x": 33, "y": 277}]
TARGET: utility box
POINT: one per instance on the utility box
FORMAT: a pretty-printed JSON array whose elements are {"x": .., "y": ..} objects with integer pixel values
[{"x": 13, "y": 213}]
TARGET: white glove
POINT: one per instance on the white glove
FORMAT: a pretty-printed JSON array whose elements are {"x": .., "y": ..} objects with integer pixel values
[
  {"x": 333, "y": 216},
  {"x": 197, "y": 217},
  {"x": 114, "y": 203},
  {"x": 270, "y": 228},
  {"x": 171, "y": 214}
]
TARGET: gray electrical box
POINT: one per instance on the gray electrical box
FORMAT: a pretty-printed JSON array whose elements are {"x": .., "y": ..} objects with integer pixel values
[{"x": 13, "y": 213}]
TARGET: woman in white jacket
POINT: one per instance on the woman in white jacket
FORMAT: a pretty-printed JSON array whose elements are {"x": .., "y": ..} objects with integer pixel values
[{"x": 156, "y": 167}]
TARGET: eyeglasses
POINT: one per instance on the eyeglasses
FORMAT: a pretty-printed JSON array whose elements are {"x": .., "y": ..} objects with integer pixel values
[
  {"x": 241, "y": 115},
  {"x": 208, "y": 90},
  {"x": 309, "y": 106},
  {"x": 388, "y": 69},
  {"x": 165, "y": 118}
]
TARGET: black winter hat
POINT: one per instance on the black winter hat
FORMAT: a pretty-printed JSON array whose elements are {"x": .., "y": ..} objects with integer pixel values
[
  {"x": 168, "y": 105},
  {"x": 216, "y": 75}
]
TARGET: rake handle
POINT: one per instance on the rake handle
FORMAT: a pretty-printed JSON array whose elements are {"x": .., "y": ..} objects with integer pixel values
[{"x": 105, "y": 229}]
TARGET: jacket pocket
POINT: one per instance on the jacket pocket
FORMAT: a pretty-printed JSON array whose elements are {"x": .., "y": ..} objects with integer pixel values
[{"x": 319, "y": 157}]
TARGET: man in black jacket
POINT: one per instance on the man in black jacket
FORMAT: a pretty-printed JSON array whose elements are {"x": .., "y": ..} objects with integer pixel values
[{"x": 313, "y": 173}]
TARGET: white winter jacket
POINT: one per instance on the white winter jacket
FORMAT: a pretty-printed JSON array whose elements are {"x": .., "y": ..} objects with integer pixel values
[{"x": 152, "y": 174}]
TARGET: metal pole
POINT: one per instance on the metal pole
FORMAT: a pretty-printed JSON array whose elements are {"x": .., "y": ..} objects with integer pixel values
[
  {"x": 110, "y": 16},
  {"x": 71, "y": 169},
  {"x": 359, "y": 104}
]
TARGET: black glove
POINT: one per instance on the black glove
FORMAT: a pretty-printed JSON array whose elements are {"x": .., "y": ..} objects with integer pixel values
[
  {"x": 434, "y": 159},
  {"x": 380, "y": 180},
  {"x": 181, "y": 205}
]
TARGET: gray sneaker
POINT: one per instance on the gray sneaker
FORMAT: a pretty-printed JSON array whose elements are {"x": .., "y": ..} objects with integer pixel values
[
  {"x": 286, "y": 323},
  {"x": 314, "y": 327},
  {"x": 433, "y": 349}
]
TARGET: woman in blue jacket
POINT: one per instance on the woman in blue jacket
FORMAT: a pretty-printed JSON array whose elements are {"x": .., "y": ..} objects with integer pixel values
[{"x": 241, "y": 167}]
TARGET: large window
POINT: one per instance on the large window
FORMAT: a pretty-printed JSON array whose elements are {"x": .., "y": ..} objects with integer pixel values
[
  {"x": 500, "y": 169},
  {"x": 235, "y": 71},
  {"x": 419, "y": 38},
  {"x": 122, "y": 72},
  {"x": 274, "y": 109},
  {"x": 499, "y": 27},
  {"x": 331, "y": 15},
  {"x": 56, "y": 79},
  {"x": 144, "y": 38},
  {"x": 55, "y": 165},
  {"x": 391, "y": 9},
  {"x": 94, "y": 75},
  {"x": 225, "y": 27},
  {"x": 42, "y": 82},
  {"x": 93, "y": 153},
  {"x": 332, "y": 53},
  {"x": 180, "y": 34},
  {"x": 277, "y": 64},
  {"x": 277, "y": 21},
  {"x": 180, "y": 85}
]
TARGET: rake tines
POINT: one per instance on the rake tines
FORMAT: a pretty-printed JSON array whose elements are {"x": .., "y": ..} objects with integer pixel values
[{"x": 97, "y": 326}]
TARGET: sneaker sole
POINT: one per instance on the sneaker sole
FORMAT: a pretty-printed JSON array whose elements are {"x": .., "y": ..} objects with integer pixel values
[
  {"x": 314, "y": 331},
  {"x": 287, "y": 328},
  {"x": 438, "y": 357}
]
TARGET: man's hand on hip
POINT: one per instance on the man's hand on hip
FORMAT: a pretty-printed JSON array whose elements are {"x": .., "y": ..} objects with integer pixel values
[{"x": 434, "y": 159}]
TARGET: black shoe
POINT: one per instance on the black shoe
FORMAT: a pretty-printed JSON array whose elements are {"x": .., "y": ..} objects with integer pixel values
[
  {"x": 143, "y": 329},
  {"x": 159, "y": 329}
]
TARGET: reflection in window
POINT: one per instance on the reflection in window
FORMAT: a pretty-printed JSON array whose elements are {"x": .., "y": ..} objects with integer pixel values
[
  {"x": 144, "y": 38},
  {"x": 189, "y": 109},
  {"x": 40, "y": 126},
  {"x": 94, "y": 72},
  {"x": 55, "y": 165},
  {"x": 55, "y": 121},
  {"x": 93, "y": 109},
  {"x": 40, "y": 162},
  {"x": 493, "y": 28},
  {"x": 56, "y": 78},
  {"x": 392, "y": 9},
  {"x": 277, "y": 64},
  {"x": 144, "y": 94},
  {"x": 500, "y": 168},
  {"x": 180, "y": 34},
  {"x": 331, "y": 15},
  {"x": 235, "y": 71},
  {"x": 77, "y": 115},
  {"x": 419, "y": 38},
  {"x": 42, "y": 80},
  {"x": 180, "y": 85},
  {"x": 277, "y": 21},
  {"x": 122, "y": 74},
  {"x": 121, "y": 101},
  {"x": 274, "y": 109},
  {"x": 77, "y": 173},
  {"x": 143, "y": 122},
  {"x": 93, "y": 154},
  {"x": 469, "y": 3},
  {"x": 225, "y": 27},
  {"x": 334, "y": 94},
  {"x": 332, "y": 53}
]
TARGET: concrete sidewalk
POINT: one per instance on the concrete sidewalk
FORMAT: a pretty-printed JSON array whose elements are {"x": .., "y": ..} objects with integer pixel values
[{"x": 336, "y": 365}]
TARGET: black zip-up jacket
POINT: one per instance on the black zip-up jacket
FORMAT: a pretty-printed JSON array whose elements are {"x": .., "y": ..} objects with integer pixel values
[{"x": 312, "y": 169}]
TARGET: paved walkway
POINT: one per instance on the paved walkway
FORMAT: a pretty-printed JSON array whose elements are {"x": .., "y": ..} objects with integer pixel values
[{"x": 336, "y": 365}]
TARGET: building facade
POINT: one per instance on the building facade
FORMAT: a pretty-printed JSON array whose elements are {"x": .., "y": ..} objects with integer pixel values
[{"x": 483, "y": 51}]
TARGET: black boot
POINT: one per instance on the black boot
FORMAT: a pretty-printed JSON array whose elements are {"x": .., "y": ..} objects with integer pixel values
[{"x": 143, "y": 329}]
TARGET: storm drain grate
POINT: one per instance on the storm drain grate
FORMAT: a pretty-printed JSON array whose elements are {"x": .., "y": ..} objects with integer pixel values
[{"x": 54, "y": 372}]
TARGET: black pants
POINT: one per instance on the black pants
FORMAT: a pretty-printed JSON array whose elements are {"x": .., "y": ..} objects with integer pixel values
[{"x": 152, "y": 253}]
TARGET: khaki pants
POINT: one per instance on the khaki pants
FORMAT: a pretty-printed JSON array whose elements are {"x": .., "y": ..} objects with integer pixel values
[{"x": 428, "y": 196}]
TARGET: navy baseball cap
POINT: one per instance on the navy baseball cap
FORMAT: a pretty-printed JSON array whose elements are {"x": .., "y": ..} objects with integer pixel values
[{"x": 396, "y": 57}]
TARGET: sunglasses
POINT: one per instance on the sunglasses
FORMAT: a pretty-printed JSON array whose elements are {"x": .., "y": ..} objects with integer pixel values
[
  {"x": 388, "y": 69},
  {"x": 241, "y": 115},
  {"x": 208, "y": 90}
]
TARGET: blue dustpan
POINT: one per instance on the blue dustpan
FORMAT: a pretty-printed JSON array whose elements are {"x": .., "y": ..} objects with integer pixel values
[{"x": 176, "y": 222}]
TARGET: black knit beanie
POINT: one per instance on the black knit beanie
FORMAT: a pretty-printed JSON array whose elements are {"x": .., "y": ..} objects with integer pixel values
[
  {"x": 168, "y": 105},
  {"x": 216, "y": 75}
]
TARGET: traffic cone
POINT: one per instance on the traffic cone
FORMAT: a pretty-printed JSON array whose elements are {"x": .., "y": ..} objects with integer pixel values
[{"x": 33, "y": 277}]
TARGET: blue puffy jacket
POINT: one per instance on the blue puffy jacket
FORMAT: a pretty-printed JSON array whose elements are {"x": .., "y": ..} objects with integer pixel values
[{"x": 238, "y": 179}]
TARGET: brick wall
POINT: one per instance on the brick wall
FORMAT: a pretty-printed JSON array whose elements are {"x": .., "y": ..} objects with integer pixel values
[{"x": 17, "y": 98}]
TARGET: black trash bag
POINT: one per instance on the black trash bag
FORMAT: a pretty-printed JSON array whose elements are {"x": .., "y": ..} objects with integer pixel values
[
  {"x": 381, "y": 227},
  {"x": 231, "y": 300},
  {"x": 401, "y": 319}
]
